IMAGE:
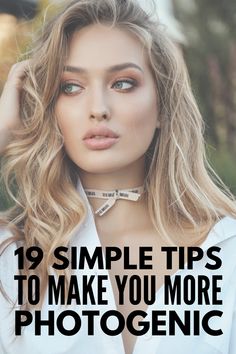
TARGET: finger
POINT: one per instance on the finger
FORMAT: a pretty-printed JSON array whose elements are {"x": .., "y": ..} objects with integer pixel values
[
  {"x": 17, "y": 73},
  {"x": 19, "y": 69}
]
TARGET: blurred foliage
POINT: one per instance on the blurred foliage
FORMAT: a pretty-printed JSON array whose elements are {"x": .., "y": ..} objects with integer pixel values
[
  {"x": 223, "y": 162},
  {"x": 18, "y": 35},
  {"x": 210, "y": 30}
]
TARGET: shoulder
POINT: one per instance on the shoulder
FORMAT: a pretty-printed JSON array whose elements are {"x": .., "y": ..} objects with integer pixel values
[
  {"x": 7, "y": 244},
  {"x": 224, "y": 231},
  {"x": 226, "y": 227},
  {"x": 223, "y": 236},
  {"x": 5, "y": 234},
  {"x": 8, "y": 260}
]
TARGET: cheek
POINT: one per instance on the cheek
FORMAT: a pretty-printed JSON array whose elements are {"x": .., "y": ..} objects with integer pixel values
[
  {"x": 143, "y": 117},
  {"x": 67, "y": 119}
]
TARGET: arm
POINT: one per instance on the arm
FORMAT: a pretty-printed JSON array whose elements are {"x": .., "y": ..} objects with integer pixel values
[{"x": 9, "y": 103}]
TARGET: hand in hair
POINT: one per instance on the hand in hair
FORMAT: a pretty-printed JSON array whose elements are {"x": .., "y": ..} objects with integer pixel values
[{"x": 10, "y": 102}]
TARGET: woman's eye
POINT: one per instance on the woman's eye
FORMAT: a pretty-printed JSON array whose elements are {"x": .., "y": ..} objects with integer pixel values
[
  {"x": 70, "y": 88},
  {"x": 125, "y": 85}
]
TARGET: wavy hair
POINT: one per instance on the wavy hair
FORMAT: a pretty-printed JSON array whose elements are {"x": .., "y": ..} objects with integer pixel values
[{"x": 183, "y": 198}]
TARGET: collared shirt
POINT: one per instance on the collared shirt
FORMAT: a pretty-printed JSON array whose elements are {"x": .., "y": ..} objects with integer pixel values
[{"x": 223, "y": 235}]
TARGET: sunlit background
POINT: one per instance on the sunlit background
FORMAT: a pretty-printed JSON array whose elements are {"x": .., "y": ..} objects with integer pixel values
[{"x": 206, "y": 31}]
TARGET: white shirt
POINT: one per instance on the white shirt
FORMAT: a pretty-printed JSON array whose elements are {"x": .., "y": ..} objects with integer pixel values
[{"x": 223, "y": 234}]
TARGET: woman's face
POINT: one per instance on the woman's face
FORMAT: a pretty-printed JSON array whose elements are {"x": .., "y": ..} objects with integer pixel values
[{"x": 107, "y": 108}]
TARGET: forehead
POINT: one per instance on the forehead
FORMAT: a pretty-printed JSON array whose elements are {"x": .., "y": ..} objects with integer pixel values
[{"x": 101, "y": 46}]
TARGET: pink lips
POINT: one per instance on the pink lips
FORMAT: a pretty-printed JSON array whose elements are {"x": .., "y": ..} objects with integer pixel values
[{"x": 100, "y": 138}]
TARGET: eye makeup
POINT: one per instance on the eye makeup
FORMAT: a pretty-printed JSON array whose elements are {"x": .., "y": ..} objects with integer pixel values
[{"x": 122, "y": 85}]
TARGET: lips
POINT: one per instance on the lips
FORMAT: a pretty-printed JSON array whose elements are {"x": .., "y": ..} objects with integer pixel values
[
  {"x": 100, "y": 132},
  {"x": 100, "y": 138}
]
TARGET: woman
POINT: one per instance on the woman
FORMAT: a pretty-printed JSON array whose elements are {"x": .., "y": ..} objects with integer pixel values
[{"x": 108, "y": 152}]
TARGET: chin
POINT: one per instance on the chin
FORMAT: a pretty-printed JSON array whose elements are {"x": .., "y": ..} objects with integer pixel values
[
  {"x": 104, "y": 163},
  {"x": 99, "y": 168}
]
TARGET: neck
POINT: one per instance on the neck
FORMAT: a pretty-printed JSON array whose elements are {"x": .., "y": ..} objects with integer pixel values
[
  {"x": 128, "y": 177},
  {"x": 116, "y": 218}
]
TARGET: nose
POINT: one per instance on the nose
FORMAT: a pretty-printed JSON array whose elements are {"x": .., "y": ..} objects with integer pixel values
[{"x": 99, "y": 108}]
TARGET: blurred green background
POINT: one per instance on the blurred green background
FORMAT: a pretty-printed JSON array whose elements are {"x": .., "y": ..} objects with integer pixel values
[{"x": 209, "y": 27}]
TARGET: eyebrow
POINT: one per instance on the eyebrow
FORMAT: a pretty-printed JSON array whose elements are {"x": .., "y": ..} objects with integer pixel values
[{"x": 111, "y": 69}]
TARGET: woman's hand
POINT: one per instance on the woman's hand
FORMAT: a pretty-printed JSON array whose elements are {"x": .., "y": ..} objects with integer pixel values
[{"x": 10, "y": 102}]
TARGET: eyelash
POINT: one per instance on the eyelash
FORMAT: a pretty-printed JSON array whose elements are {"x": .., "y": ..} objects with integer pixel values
[{"x": 129, "y": 81}]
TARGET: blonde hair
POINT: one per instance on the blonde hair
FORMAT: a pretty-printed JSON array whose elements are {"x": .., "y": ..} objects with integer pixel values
[{"x": 182, "y": 198}]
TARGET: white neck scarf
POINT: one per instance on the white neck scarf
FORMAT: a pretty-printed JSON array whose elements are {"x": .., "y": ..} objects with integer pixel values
[{"x": 132, "y": 194}]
